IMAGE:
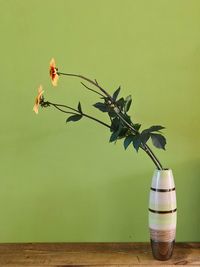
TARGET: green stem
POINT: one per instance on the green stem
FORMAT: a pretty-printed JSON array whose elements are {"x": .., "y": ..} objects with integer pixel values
[
  {"x": 92, "y": 89},
  {"x": 57, "y": 106},
  {"x": 88, "y": 80},
  {"x": 64, "y": 111}
]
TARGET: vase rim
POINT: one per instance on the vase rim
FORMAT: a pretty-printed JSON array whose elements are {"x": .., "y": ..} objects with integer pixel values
[{"x": 165, "y": 169}]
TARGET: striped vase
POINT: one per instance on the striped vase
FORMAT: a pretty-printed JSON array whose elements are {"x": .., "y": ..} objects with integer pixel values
[{"x": 162, "y": 214}]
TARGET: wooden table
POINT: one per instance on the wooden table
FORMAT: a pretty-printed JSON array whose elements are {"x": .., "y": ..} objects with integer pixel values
[{"x": 94, "y": 254}]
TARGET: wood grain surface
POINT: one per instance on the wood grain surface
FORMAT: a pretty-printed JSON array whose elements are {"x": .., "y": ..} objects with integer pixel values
[{"x": 94, "y": 254}]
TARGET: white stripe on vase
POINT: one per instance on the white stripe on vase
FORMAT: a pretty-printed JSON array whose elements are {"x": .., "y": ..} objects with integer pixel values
[
  {"x": 162, "y": 200},
  {"x": 162, "y": 221},
  {"x": 163, "y": 179}
]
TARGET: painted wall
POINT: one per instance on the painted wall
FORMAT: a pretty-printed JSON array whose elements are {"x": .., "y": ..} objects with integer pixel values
[{"x": 63, "y": 182}]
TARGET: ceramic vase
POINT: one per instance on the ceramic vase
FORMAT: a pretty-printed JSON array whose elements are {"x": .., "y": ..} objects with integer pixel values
[{"x": 162, "y": 214}]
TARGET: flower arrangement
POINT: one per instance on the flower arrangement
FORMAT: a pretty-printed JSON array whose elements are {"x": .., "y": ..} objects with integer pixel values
[{"x": 121, "y": 125}]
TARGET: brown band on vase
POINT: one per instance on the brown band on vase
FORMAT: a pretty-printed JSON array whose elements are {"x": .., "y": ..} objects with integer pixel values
[
  {"x": 163, "y": 190},
  {"x": 162, "y": 211},
  {"x": 162, "y": 235}
]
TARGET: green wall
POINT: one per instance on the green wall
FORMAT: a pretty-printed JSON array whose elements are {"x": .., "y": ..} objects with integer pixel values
[{"x": 63, "y": 182}]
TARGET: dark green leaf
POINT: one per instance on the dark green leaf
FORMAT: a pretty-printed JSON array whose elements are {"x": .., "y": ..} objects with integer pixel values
[
  {"x": 114, "y": 136},
  {"x": 127, "y": 141},
  {"x": 136, "y": 126},
  {"x": 115, "y": 124},
  {"x": 120, "y": 103},
  {"x": 144, "y": 137},
  {"x": 127, "y": 118},
  {"x": 116, "y": 93},
  {"x": 101, "y": 106},
  {"x": 127, "y": 104},
  {"x": 76, "y": 117},
  {"x": 137, "y": 142},
  {"x": 112, "y": 113},
  {"x": 154, "y": 128},
  {"x": 80, "y": 108},
  {"x": 123, "y": 132},
  {"x": 140, "y": 139},
  {"x": 158, "y": 140}
]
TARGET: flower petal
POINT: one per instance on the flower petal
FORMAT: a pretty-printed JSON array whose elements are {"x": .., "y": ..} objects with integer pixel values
[
  {"x": 53, "y": 72},
  {"x": 55, "y": 80},
  {"x": 52, "y": 63},
  {"x": 38, "y": 99},
  {"x": 35, "y": 108}
]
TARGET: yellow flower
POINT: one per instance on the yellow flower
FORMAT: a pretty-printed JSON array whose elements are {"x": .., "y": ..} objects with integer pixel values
[
  {"x": 38, "y": 99},
  {"x": 53, "y": 72}
]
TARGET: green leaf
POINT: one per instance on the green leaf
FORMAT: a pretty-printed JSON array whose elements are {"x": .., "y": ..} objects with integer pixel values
[
  {"x": 144, "y": 137},
  {"x": 115, "y": 124},
  {"x": 127, "y": 141},
  {"x": 114, "y": 136},
  {"x": 136, "y": 126},
  {"x": 158, "y": 140},
  {"x": 140, "y": 139},
  {"x": 127, "y": 104},
  {"x": 76, "y": 117},
  {"x": 101, "y": 106},
  {"x": 116, "y": 93},
  {"x": 154, "y": 128},
  {"x": 120, "y": 103},
  {"x": 137, "y": 142},
  {"x": 127, "y": 118},
  {"x": 123, "y": 132},
  {"x": 80, "y": 108},
  {"x": 112, "y": 113}
]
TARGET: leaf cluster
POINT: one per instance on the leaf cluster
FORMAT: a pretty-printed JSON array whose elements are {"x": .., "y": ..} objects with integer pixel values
[
  {"x": 140, "y": 139},
  {"x": 123, "y": 128}
]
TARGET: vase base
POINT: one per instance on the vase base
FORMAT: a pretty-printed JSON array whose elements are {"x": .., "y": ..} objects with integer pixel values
[{"x": 162, "y": 250}]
